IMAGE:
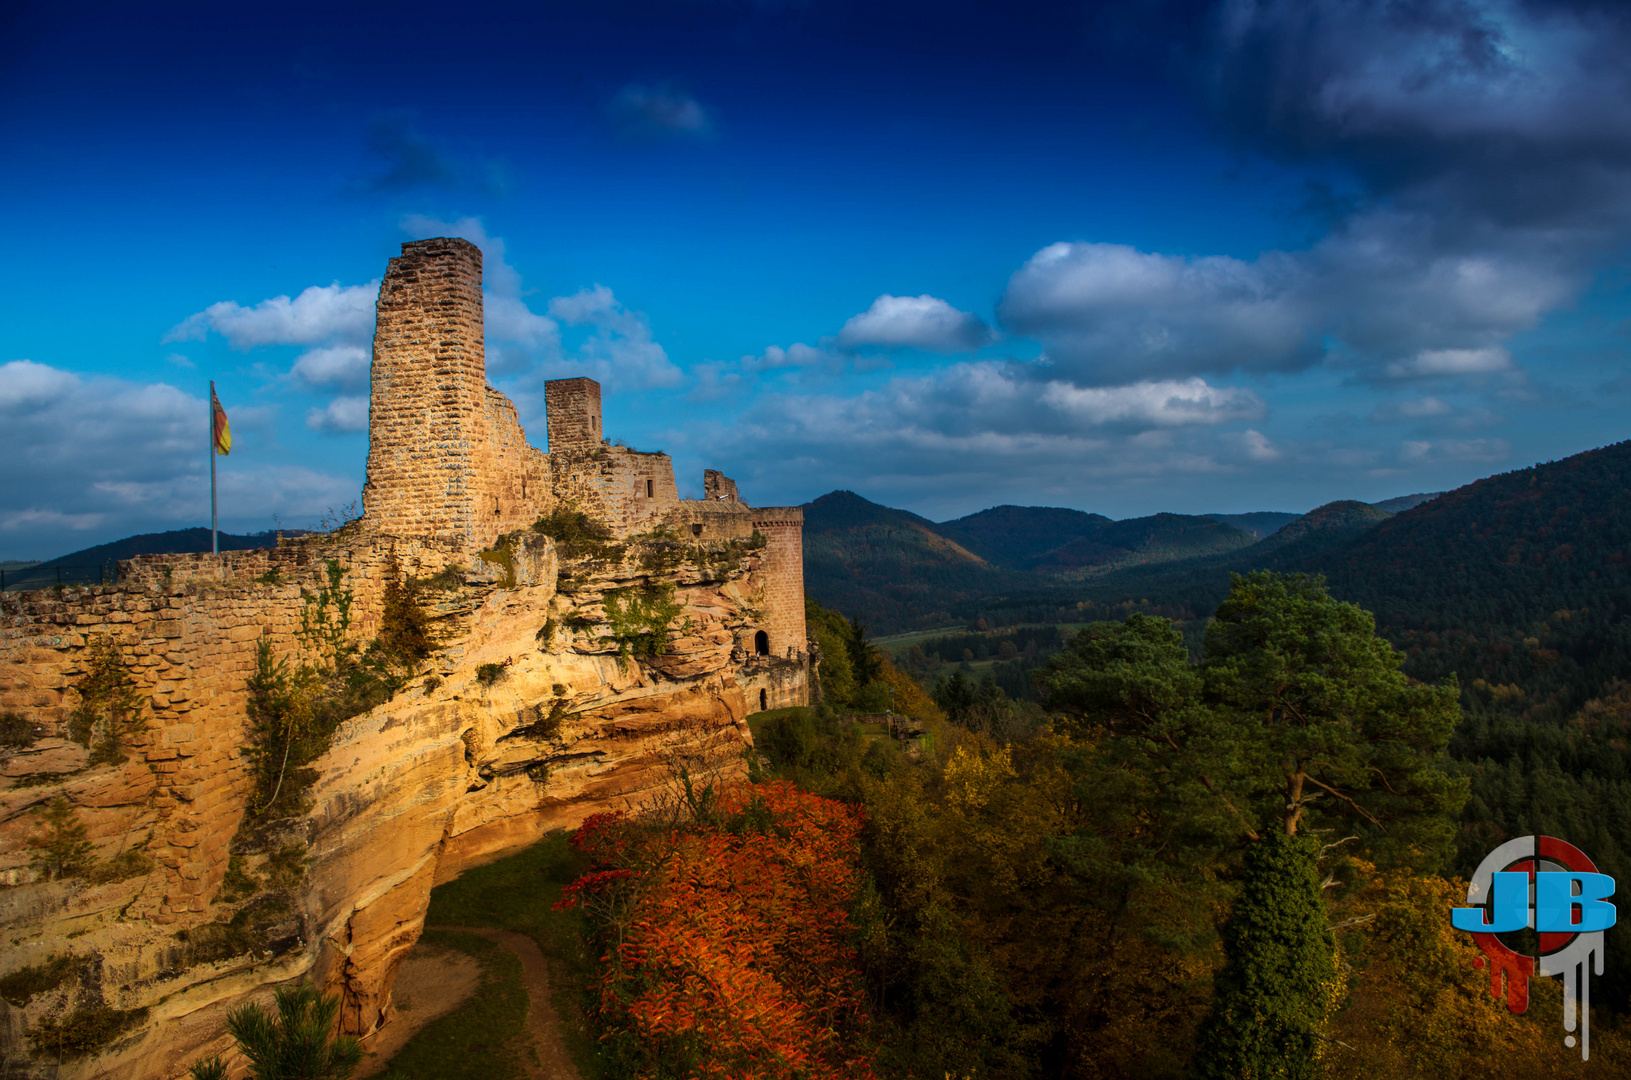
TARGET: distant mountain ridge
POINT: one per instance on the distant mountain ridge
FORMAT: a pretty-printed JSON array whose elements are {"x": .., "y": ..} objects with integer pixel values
[
  {"x": 174, "y": 542},
  {"x": 897, "y": 570}
]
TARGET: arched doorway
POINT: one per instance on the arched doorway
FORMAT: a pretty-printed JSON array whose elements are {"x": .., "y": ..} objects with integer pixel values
[
  {"x": 764, "y": 701},
  {"x": 761, "y": 644}
]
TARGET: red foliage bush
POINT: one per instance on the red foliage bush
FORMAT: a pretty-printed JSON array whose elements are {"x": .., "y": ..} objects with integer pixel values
[{"x": 727, "y": 942}]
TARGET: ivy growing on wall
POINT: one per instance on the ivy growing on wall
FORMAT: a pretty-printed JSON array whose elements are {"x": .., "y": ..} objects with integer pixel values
[{"x": 639, "y": 618}]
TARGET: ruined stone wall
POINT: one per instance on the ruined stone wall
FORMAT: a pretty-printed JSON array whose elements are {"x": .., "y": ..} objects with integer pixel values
[
  {"x": 428, "y": 399},
  {"x": 189, "y": 651},
  {"x": 188, "y": 628},
  {"x": 512, "y": 475},
  {"x": 775, "y": 682},
  {"x": 717, "y": 487},
  {"x": 783, "y": 529},
  {"x": 573, "y": 406},
  {"x": 628, "y": 490},
  {"x": 710, "y": 520}
]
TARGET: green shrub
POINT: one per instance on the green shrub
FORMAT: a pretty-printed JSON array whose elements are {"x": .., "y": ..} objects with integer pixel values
[
  {"x": 297, "y": 1040},
  {"x": 407, "y": 633},
  {"x": 639, "y": 619},
  {"x": 503, "y": 554},
  {"x": 16, "y": 732},
  {"x": 286, "y": 869},
  {"x": 578, "y": 536},
  {"x": 61, "y": 849},
  {"x": 225, "y": 938},
  {"x": 129, "y": 863},
  {"x": 448, "y": 577},
  {"x": 26, "y": 983},
  {"x": 488, "y": 674},
  {"x": 109, "y": 710},
  {"x": 294, "y": 711},
  {"x": 83, "y": 1031},
  {"x": 238, "y": 883}
]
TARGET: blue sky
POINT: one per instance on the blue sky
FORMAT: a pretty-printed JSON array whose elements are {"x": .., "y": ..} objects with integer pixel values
[{"x": 1128, "y": 258}]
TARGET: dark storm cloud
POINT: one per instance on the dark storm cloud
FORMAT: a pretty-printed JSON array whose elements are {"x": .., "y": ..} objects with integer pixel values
[
  {"x": 1514, "y": 110},
  {"x": 1493, "y": 153}
]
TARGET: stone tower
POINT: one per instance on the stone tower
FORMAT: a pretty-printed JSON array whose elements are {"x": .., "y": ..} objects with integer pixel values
[
  {"x": 427, "y": 402},
  {"x": 574, "y": 414}
]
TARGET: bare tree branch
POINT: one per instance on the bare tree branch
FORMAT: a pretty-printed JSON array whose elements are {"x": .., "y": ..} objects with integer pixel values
[{"x": 1366, "y": 814}]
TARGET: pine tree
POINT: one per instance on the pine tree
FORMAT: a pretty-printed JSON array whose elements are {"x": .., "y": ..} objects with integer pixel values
[
  {"x": 295, "y": 1043},
  {"x": 1271, "y": 996},
  {"x": 61, "y": 850}
]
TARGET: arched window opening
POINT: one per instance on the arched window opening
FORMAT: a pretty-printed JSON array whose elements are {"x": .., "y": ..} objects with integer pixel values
[
  {"x": 761, "y": 644},
  {"x": 764, "y": 701}
]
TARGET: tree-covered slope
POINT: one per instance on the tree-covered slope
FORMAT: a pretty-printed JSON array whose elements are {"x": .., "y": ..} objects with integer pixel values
[
  {"x": 1053, "y": 540},
  {"x": 1261, "y": 523},
  {"x": 1018, "y": 537},
  {"x": 1522, "y": 579},
  {"x": 887, "y": 567}
]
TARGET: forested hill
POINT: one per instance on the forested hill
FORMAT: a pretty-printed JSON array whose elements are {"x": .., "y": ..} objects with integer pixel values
[
  {"x": 888, "y": 567},
  {"x": 1523, "y": 579},
  {"x": 895, "y": 570},
  {"x": 83, "y": 565},
  {"x": 1520, "y": 579}
]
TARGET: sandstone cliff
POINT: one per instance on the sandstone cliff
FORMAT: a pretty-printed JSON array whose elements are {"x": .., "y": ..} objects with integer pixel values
[{"x": 525, "y": 719}]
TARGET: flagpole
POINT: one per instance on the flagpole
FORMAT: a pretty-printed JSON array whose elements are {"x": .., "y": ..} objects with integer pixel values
[{"x": 215, "y": 544}]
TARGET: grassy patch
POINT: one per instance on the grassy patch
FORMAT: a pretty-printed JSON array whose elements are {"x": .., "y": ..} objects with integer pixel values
[
  {"x": 517, "y": 894},
  {"x": 476, "y": 1039}
]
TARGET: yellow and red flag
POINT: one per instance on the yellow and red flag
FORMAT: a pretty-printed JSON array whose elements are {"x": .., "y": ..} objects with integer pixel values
[{"x": 223, "y": 434}]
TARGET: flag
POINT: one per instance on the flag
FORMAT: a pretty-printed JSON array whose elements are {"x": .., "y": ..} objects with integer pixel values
[{"x": 223, "y": 434}]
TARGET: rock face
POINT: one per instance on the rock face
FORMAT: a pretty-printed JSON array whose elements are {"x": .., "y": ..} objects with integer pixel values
[
  {"x": 508, "y": 731},
  {"x": 569, "y": 675}
]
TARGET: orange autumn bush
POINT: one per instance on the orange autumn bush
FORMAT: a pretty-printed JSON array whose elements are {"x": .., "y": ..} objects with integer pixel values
[{"x": 726, "y": 940}]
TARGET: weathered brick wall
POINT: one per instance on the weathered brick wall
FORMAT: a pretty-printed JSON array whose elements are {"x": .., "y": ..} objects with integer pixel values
[
  {"x": 573, "y": 406},
  {"x": 512, "y": 475},
  {"x": 783, "y": 528},
  {"x": 189, "y": 651},
  {"x": 776, "y": 682},
  {"x": 427, "y": 405},
  {"x": 629, "y": 490},
  {"x": 187, "y": 627},
  {"x": 717, "y": 487},
  {"x": 710, "y": 520}
]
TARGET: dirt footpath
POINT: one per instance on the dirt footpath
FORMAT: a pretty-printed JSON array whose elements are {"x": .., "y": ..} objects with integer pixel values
[
  {"x": 434, "y": 981},
  {"x": 548, "y": 1060}
]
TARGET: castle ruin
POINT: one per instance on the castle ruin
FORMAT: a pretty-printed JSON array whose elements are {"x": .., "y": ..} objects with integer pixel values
[
  {"x": 448, "y": 459},
  {"x": 530, "y": 714}
]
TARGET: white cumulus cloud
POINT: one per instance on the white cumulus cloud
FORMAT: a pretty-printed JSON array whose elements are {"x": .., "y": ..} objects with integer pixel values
[
  {"x": 1110, "y": 313},
  {"x": 619, "y": 351},
  {"x": 1166, "y": 403},
  {"x": 336, "y": 365},
  {"x": 920, "y": 322},
  {"x": 1436, "y": 362},
  {"x": 27, "y": 385},
  {"x": 341, "y": 416},
  {"x": 319, "y": 315}
]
